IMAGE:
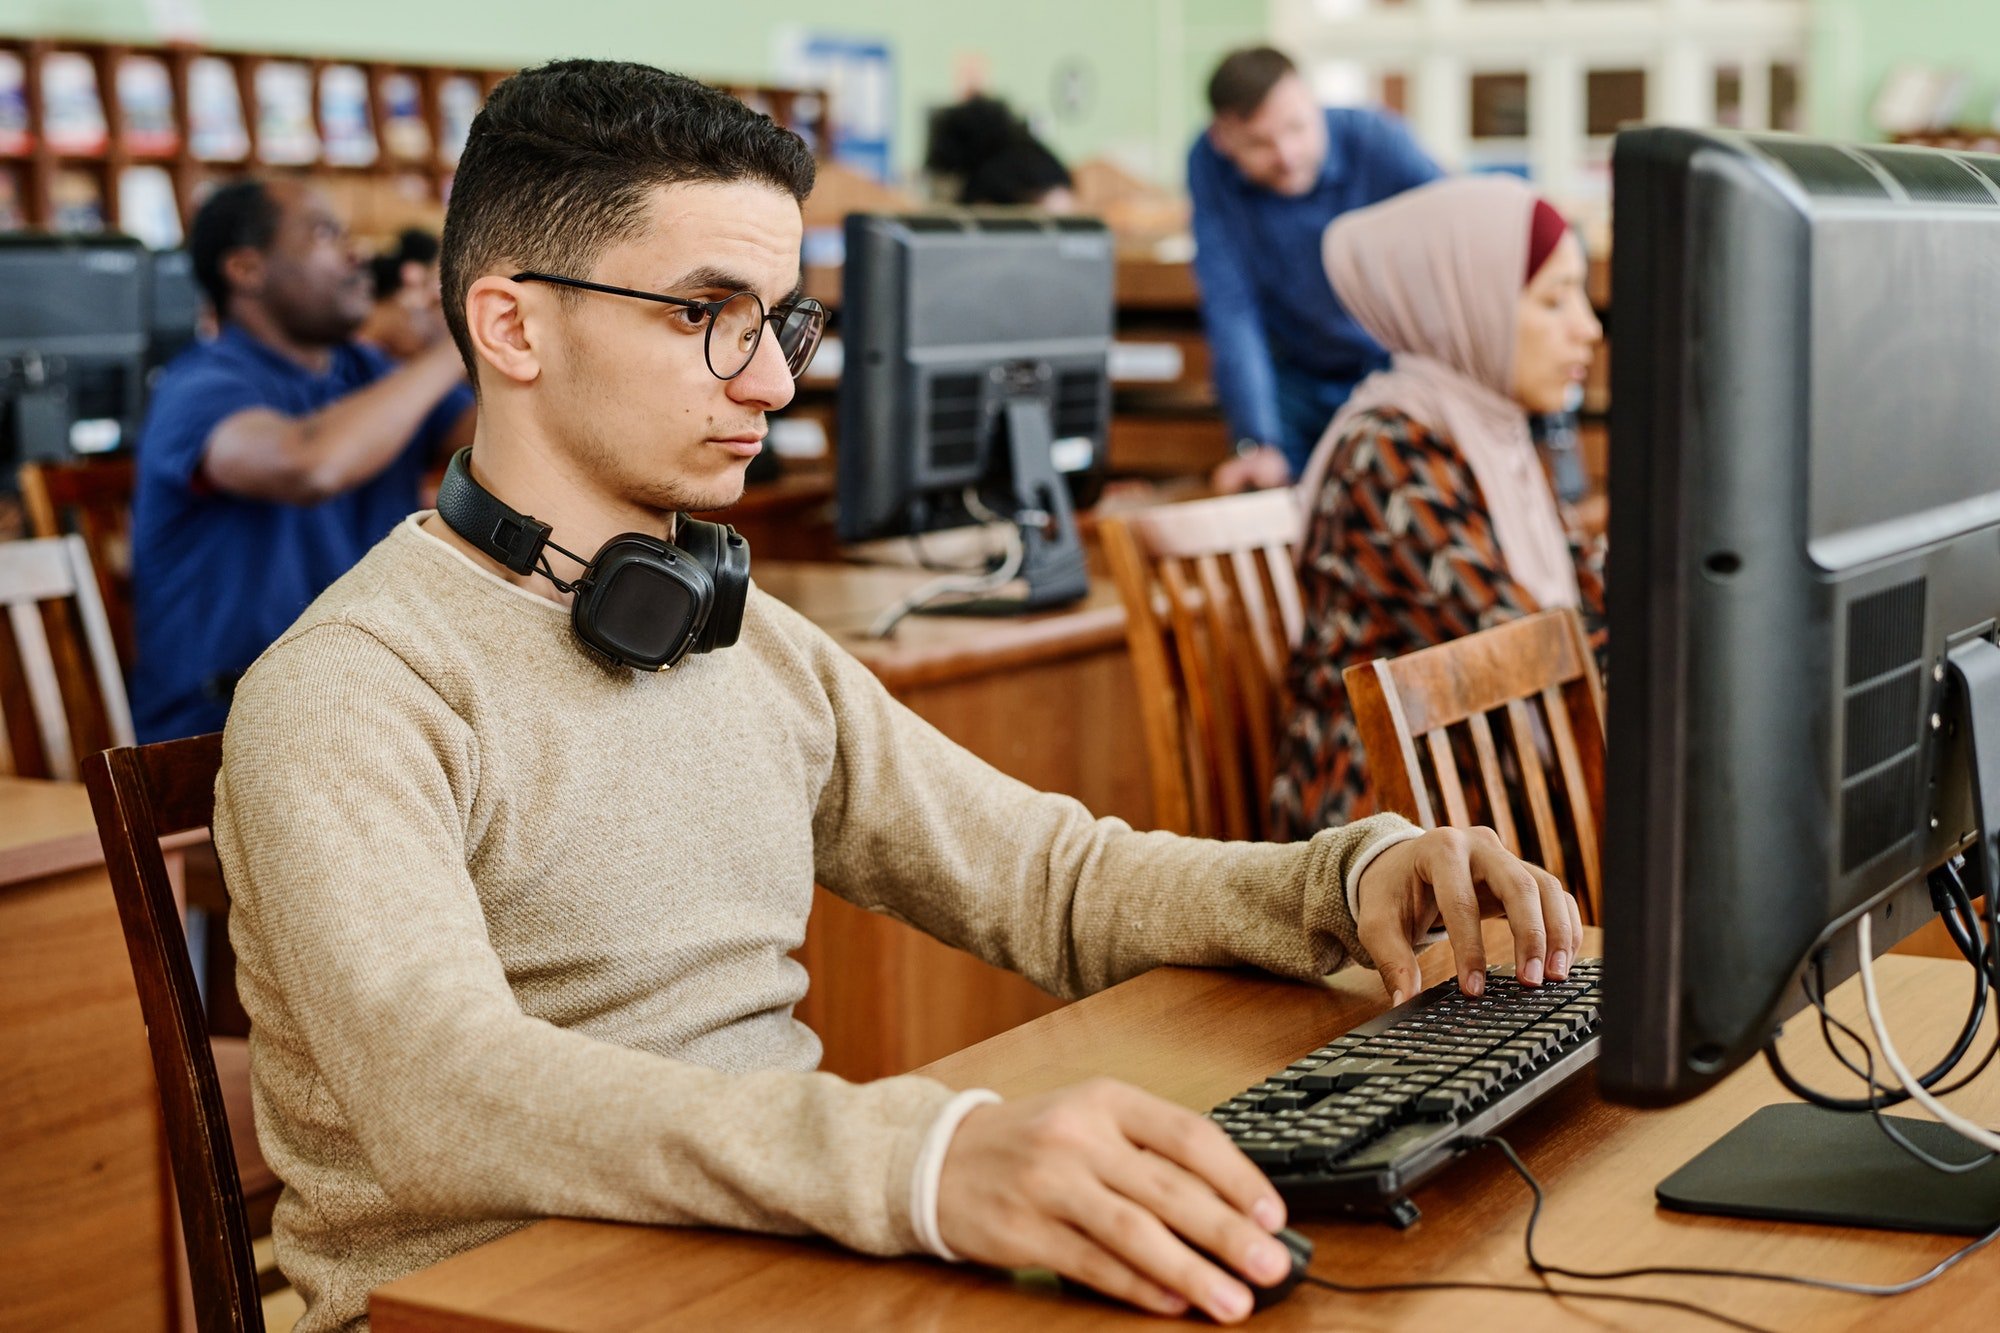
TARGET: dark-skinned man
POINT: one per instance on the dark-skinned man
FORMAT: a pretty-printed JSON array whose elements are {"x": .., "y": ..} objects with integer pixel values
[{"x": 274, "y": 455}]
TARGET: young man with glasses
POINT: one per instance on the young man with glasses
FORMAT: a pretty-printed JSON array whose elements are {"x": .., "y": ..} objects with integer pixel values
[{"x": 514, "y": 923}]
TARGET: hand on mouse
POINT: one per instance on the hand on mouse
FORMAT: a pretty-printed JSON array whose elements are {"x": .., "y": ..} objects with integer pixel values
[
  {"x": 1462, "y": 875},
  {"x": 1099, "y": 1182}
]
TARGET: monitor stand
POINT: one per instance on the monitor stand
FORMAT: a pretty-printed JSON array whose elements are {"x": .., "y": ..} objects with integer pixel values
[
  {"x": 1799, "y": 1163},
  {"x": 1051, "y": 552}
]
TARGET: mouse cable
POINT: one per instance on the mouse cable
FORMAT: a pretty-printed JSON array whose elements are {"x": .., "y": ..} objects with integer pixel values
[{"x": 1964, "y": 1252}]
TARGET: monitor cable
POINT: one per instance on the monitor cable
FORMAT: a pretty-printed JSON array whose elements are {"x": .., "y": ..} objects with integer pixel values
[
  {"x": 962, "y": 586},
  {"x": 1922, "y": 1096}
]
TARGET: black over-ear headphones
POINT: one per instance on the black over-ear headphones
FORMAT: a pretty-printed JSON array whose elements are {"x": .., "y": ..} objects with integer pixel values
[{"x": 640, "y": 602}]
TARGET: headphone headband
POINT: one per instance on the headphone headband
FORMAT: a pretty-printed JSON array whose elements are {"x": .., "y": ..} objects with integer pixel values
[{"x": 488, "y": 522}]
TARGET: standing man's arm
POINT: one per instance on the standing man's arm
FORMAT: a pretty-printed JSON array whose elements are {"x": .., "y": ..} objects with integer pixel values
[
  {"x": 262, "y": 454},
  {"x": 1246, "y": 384}
]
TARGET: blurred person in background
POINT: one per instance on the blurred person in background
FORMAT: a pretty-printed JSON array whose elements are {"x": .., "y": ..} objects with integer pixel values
[
  {"x": 1428, "y": 513},
  {"x": 408, "y": 316},
  {"x": 274, "y": 455},
  {"x": 1273, "y": 170},
  {"x": 994, "y": 158}
]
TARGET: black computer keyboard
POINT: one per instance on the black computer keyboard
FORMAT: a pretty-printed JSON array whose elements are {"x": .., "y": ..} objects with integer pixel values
[{"x": 1358, "y": 1123}]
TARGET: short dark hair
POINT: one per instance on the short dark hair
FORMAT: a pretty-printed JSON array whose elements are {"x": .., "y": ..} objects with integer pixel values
[
  {"x": 240, "y": 215},
  {"x": 992, "y": 153},
  {"x": 563, "y": 157},
  {"x": 1245, "y": 78},
  {"x": 413, "y": 246}
]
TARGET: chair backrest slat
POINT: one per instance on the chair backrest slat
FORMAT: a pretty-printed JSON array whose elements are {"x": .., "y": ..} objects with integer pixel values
[
  {"x": 1538, "y": 670},
  {"x": 140, "y": 795},
  {"x": 1212, "y": 618},
  {"x": 63, "y": 659},
  {"x": 92, "y": 498},
  {"x": 1499, "y": 809}
]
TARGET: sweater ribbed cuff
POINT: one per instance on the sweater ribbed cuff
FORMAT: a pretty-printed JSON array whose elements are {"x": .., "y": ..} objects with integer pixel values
[{"x": 929, "y": 1170}]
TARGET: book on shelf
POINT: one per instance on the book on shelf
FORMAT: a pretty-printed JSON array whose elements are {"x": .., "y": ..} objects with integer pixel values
[
  {"x": 146, "y": 104},
  {"x": 459, "y": 98},
  {"x": 216, "y": 129},
  {"x": 284, "y": 93},
  {"x": 14, "y": 138},
  {"x": 76, "y": 200},
  {"x": 344, "y": 117},
  {"x": 146, "y": 206},
  {"x": 405, "y": 133},
  {"x": 72, "y": 110}
]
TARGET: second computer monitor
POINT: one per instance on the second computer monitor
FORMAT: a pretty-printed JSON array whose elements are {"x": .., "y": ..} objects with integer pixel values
[
  {"x": 1805, "y": 572},
  {"x": 975, "y": 377}
]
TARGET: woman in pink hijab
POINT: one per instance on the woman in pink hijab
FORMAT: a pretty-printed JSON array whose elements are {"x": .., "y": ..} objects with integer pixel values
[{"x": 1428, "y": 513}]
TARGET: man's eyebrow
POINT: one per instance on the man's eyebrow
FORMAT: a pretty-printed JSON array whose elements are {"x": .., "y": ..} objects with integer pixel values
[{"x": 710, "y": 279}]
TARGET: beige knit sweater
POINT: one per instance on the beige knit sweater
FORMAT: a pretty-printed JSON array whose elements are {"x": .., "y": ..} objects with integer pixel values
[{"x": 514, "y": 927}]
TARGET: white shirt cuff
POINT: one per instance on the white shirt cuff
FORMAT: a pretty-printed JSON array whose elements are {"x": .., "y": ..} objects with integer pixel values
[
  {"x": 1366, "y": 859},
  {"x": 930, "y": 1169}
]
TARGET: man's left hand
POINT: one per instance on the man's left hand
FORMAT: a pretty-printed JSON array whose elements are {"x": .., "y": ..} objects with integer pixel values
[{"x": 1461, "y": 876}]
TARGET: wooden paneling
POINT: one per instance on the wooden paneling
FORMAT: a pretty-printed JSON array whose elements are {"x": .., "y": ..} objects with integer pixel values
[{"x": 86, "y": 1231}]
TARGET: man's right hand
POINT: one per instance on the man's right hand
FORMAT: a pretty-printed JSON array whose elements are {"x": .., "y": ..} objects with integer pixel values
[
  {"x": 1101, "y": 1182},
  {"x": 1263, "y": 468}
]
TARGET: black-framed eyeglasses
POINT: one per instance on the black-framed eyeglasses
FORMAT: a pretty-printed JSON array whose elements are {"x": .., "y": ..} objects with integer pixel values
[{"x": 735, "y": 324}]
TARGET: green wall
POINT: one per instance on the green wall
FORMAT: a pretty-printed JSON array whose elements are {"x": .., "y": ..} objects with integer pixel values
[
  {"x": 1144, "y": 60},
  {"x": 1856, "y": 42}
]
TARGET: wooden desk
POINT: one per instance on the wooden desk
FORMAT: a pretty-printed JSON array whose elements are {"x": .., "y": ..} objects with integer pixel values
[
  {"x": 1046, "y": 698},
  {"x": 88, "y": 1238},
  {"x": 1196, "y": 1037}
]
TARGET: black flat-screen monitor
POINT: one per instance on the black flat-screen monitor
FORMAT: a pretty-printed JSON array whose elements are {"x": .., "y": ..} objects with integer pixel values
[
  {"x": 974, "y": 377},
  {"x": 72, "y": 344},
  {"x": 1805, "y": 574}
]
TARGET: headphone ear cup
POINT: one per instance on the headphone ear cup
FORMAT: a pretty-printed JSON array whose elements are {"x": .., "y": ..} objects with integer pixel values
[{"x": 721, "y": 551}]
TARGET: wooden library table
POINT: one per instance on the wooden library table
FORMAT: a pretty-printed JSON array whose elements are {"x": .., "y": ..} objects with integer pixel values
[
  {"x": 1195, "y": 1037},
  {"x": 1047, "y": 698},
  {"x": 88, "y": 1236}
]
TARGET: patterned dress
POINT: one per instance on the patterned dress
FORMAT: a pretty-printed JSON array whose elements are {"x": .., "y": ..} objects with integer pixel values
[{"x": 1399, "y": 555}]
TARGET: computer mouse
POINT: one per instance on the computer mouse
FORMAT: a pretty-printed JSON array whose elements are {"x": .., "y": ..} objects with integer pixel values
[{"x": 1263, "y": 1298}]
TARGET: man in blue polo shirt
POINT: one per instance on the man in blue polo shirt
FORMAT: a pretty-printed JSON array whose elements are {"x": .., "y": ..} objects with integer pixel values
[
  {"x": 1268, "y": 177},
  {"x": 273, "y": 456}
]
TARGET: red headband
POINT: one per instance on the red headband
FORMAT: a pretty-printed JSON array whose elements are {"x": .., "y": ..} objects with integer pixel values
[{"x": 1543, "y": 233}]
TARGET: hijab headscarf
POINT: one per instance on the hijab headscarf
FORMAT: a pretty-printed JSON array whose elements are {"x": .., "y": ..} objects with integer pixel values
[{"x": 1435, "y": 275}]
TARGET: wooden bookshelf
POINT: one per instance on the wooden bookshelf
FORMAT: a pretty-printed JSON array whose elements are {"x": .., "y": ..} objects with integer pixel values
[{"x": 415, "y": 115}]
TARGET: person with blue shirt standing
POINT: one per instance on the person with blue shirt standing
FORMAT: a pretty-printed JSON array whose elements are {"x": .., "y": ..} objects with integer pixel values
[
  {"x": 1268, "y": 177},
  {"x": 273, "y": 456}
]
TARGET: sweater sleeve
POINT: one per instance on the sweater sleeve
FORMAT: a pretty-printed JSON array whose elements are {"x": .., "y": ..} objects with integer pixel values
[
  {"x": 343, "y": 810},
  {"x": 913, "y": 826}
]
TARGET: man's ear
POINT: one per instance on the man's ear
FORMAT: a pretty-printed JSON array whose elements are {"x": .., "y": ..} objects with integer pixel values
[
  {"x": 503, "y": 319},
  {"x": 243, "y": 268}
]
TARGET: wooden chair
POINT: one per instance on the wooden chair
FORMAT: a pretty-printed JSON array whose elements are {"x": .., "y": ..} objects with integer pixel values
[
  {"x": 141, "y": 794},
  {"x": 1522, "y": 703},
  {"x": 61, "y": 694},
  {"x": 1212, "y": 613},
  {"x": 92, "y": 499}
]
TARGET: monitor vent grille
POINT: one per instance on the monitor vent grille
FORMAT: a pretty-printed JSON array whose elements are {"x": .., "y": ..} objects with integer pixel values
[
  {"x": 1883, "y": 722},
  {"x": 1877, "y": 812},
  {"x": 953, "y": 415},
  {"x": 1985, "y": 164},
  {"x": 1824, "y": 170},
  {"x": 1933, "y": 177},
  {"x": 1079, "y": 403}
]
